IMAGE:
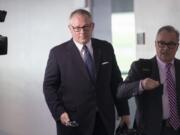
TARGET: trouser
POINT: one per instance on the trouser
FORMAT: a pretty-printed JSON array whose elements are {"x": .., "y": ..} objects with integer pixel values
[{"x": 99, "y": 128}]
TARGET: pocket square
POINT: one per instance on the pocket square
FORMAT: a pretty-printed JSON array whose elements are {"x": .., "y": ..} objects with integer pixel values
[{"x": 103, "y": 63}]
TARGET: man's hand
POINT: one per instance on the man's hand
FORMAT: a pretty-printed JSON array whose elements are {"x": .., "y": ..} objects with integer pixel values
[
  {"x": 149, "y": 84},
  {"x": 125, "y": 119},
  {"x": 64, "y": 118}
]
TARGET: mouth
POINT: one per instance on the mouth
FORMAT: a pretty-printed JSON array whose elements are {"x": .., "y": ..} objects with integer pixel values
[{"x": 165, "y": 53}]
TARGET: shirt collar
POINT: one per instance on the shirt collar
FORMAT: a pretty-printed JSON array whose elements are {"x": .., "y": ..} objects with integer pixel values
[
  {"x": 80, "y": 46},
  {"x": 162, "y": 63}
]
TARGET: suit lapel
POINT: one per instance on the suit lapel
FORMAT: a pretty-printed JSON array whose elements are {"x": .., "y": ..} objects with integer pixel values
[
  {"x": 177, "y": 76},
  {"x": 77, "y": 60},
  {"x": 155, "y": 71},
  {"x": 97, "y": 55}
]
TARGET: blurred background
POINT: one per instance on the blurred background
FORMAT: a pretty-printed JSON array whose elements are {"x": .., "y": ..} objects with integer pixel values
[{"x": 35, "y": 26}]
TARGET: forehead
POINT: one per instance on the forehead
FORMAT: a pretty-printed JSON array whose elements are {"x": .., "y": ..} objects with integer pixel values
[
  {"x": 167, "y": 36},
  {"x": 79, "y": 19}
]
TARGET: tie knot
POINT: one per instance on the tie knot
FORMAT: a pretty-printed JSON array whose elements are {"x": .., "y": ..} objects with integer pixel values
[
  {"x": 85, "y": 48},
  {"x": 168, "y": 66},
  {"x": 86, "y": 51}
]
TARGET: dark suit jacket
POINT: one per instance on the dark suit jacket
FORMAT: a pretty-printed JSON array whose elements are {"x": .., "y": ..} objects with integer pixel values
[
  {"x": 149, "y": 103},
  {"x": 68, "y": 88}
]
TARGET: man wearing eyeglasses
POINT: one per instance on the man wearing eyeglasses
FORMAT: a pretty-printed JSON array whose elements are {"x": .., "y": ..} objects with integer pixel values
[
  {"x": 81, "y": 82},
  {"x": 155, "y": 83}
]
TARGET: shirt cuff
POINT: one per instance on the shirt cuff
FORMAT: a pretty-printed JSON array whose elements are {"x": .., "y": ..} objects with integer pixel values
[{"x": 141, "y": 89}]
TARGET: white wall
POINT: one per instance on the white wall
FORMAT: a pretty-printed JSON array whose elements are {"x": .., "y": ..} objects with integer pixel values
[
  {"x": 33, "y": 27},
  {"x": 102, "y": 16},
  {"x": 150, "y": 15}
]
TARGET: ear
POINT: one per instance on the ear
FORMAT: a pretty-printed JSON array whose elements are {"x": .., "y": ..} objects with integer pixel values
[
  {"x": 70, "y": 28},
  {"x": 177, "y": 46},
  {"x": 92, "y": 26}
]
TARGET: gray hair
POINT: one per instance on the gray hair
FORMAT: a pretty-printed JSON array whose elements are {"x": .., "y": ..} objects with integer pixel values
[
  {"x": 169, "y": 28},
  {"x": 81, "y": 12}
]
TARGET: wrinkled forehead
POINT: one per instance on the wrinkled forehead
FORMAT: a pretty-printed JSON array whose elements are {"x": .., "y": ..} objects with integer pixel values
[
  {"x": 80, "y": 19},
  {"x": 167, "y": 36}
]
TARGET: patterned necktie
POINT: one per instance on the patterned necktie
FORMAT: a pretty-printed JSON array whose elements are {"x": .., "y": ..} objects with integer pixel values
[
  {"x": 89, "y": 63},
  {"x": 174, "y": 120}
]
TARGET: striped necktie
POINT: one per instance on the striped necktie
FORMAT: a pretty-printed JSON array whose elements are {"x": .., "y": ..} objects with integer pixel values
[
  {"x": 174, "y": 120},
  {"x": 88, "y": 60}
]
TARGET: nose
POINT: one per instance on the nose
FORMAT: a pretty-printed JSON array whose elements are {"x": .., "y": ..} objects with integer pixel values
[
  {"x": 166, "y": 47},
  {"x": 82, "y": 30}
]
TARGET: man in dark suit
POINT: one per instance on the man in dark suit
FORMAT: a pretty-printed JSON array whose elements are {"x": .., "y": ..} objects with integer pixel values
[
  {"x": 81, "y": 82},
  {"x": 156, "y": 87}
]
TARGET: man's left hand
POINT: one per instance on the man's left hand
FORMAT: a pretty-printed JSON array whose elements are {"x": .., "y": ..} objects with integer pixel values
[{"x": 125, "y": 119}]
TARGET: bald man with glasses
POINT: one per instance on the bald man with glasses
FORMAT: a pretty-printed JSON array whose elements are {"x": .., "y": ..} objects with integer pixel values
[
  {"x": 155, "y": 83},
  {"x": 81, "y": 80}
]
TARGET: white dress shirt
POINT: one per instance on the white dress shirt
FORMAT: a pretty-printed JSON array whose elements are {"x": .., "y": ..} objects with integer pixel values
[{"x": 80, "y": 46}]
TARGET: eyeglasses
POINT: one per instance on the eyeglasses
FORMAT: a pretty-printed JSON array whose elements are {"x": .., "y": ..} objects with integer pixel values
[
  {"x": 85, "y": 28},
  {"x": 170, "y": 45},
  {"x": 72, "y": 124}
]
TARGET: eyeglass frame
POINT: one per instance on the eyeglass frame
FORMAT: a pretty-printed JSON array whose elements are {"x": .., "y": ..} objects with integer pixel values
[
  {"x": 85, "y": 28},
  {"x": 170, "y": 45}
]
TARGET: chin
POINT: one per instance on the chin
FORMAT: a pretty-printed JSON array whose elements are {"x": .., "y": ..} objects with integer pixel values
[
  {"x": 167, "y": 60},
  {"x": 84, "y": 41}
]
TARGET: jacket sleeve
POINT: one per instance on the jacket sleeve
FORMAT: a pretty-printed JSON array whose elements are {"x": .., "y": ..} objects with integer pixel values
[
  {"x": 130, "y": 87},
  {"x": 51, "y": 84},
  {"x": 139, "y": 70}
]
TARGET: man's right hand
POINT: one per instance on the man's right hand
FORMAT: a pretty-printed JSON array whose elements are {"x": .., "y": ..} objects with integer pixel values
[
  {"x": 149, "y": 84},
  {"x": 64, "y": 118}
]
